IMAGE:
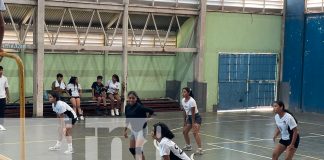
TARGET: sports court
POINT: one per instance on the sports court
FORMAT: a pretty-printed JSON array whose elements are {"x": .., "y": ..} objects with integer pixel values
[
  {"x": 238, "y": 73},
  {"x": 225, "y": 136}
]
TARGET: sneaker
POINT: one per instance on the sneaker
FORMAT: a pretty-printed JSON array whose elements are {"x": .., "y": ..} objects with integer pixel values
[
  {"x": 187, "y": 148},
  {"x": 81, "y": 118},
  {"x": 199, "y": 151},
  {"x": 69, "y": 151},
  {"x": 2, "y": 128},
  {"x": 116, "y": 111},
  {"x": 112, "y": 112},
  {"x": 55, "y": 148}
]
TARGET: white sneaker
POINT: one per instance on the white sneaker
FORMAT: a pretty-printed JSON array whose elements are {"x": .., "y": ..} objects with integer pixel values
[
  {"x": 112, "y": 112},
  {"x": 81, "y": 118},
  {"x": 55, "y": 148},
  {"x": 187, "y": 148},
  {"x": 199, "y": 151},
  {"x": 2, "y": 128},
  {"x": 116, "y": 111},
  {"x": 69, "y": 151}
]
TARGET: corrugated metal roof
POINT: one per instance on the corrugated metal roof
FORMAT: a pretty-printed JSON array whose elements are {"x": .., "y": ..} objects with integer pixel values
[
  {"x": 82, "y": 18},
  {"x": 18, "y": 12}
]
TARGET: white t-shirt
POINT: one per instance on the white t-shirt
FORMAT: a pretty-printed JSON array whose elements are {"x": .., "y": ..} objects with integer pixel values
[
  {"x": 112, "y": 87},
  {"x": 283, "y": 123},
  {"x": 62, "y": 107},
  {"x": 3, "y": 85},
  {"x": 188, "y": 105},
  {"x": 60, "y": 85},
  {"x": 168, "y": 147},
  {"x": 74, "y": 88}
]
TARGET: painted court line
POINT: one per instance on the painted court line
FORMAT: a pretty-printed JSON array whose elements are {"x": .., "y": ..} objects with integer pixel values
[
  {"x": 248, "y": 153},
  {"x": 257, "y": 145}
]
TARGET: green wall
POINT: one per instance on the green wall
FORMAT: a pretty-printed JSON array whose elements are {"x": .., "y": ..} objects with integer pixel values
[
  {"x": 147, "y": 74},
  {"x": 184, "y": 61},
  {"x": 231, "y": 32},
  {"x": 227, "y": 32}
]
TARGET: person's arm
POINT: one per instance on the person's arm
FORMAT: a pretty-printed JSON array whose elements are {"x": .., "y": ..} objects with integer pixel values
[
  {"x": 276, "y": 134},
  {"x": 148, "y": 110},
  {"x": 294, "y": 137},
  {"x": 7, "y": 94},
  {"x": 166, "y": 157}
]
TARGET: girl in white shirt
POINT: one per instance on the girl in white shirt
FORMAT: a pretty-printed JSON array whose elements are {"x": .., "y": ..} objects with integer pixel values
[
  {"x": 287, "y": 127},
  {"x": 67, "y": 118},
  {"x": 168, "y": 149},
  {"x": 192, "y": 119},
  {"x": 113, "y": 87},
  {"x": 74, "y": 90}
]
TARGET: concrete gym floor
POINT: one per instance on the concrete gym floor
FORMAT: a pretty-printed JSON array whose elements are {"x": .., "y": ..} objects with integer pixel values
[{"x": 225, "y": 136}]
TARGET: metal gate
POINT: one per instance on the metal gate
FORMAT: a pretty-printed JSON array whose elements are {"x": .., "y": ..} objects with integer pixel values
[{"x": 247, "y": 80}]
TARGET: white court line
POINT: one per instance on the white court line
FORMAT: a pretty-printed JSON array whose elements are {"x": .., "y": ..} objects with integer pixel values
[
  {"x": 74, "y": 139},
  {"x": 320, "y": 135},
  {"x": 242, "y": 142},
  {"x": 316, "y": 124},
  {"x": 242, "y": 152}
]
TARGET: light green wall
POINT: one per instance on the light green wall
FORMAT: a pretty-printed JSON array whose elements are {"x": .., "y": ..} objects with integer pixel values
[
  {"x": 184, "y": 61},
  {"x": 231, "y": 32},
  {"x": 147, "y": 74}
]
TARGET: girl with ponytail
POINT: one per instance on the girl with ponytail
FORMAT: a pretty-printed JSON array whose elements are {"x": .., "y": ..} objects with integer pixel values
[
  {"x": 287, "y": 127},
  {"x": 192, "y": 119}
]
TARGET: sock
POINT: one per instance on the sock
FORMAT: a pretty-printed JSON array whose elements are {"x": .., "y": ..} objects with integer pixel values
[
  {"x": 58, "y": 143},
  {"x": 70, "y": 146}
]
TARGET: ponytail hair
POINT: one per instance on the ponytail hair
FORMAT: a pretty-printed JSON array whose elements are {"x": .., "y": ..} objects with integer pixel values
[
  {"x": 189, "y": 90},
  {"x": 135, "y": 94},
  {"x": 281, "y": 104}
]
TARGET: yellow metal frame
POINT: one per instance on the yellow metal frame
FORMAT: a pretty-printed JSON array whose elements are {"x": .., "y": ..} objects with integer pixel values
[{"x": 21, "y": 72}]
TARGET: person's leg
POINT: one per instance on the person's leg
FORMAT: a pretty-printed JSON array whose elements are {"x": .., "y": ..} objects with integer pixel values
[
  {"x": 104, "y": 101},
  {"x": 68, "y": 136},
  {"x": 2, "y": 110},
  {"x": 60, "y": 132},
  {"x": 73, "y": 102},
  {"x": 117, "y": 97},
  {"x": 78, "y": 106},
  {"x": 132, "y": 146},
  {"x": 290, "y": 153},
  {"x": 140, "y": 141},
  {"x": 278, "y": 151},
  {"x": 99, "y": 99},
  {"x": 197, "y": 136},
  {"x": 112, "y": 104},
  {"x": 186, "y": 130}
]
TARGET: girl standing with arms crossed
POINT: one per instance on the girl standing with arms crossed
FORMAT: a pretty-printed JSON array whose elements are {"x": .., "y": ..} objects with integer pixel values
[
  {"x": 287, "y": 127},
  {"x": 67, "y": 118},
  {"x": 74, "y": 90},
  {"x": 192, "y": 119}
]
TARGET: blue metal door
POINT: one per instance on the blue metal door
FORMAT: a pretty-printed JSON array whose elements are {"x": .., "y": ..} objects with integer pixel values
[{"x": 246, "y": 80}]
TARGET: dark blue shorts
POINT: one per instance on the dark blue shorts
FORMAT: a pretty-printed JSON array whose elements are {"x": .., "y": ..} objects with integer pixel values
[
  {"x": 287, "y": 142},
  {"x": 197, "y": 119}
]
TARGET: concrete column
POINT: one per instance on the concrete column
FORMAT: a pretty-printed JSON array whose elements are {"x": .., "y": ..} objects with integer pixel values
[{"x": 38, "y": 86}]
